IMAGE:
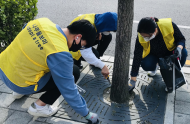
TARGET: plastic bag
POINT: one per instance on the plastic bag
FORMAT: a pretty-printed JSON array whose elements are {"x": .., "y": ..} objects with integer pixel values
[{"x": 166, "y": 69}]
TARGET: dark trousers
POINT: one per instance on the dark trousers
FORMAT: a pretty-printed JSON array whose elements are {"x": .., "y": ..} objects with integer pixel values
[
  {"x": 101, "y": 48},
  {"x": 150, "y": 61},
  {"x": 52, "y": 92},
  {"x": 103, "y": 44}
]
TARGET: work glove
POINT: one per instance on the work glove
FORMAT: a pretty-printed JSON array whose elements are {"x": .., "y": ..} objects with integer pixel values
[
  {"x": 92, "y": 117},
  {"x": 131, "y": 85},
  {"x": 177, "y": 52}
]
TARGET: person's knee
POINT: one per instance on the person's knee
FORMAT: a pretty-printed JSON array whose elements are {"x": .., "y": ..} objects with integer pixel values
[
  {"x": 183, "y": 57},
  {"x": 107, "y": 38},
  {"x": 184, "y": 53},
  {"x": 149, "y": 63},
  {"x": 76, "y": 72},
  {"x": 147, "y": 66}
]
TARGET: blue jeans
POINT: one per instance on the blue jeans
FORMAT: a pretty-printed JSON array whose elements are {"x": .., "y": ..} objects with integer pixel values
[{"x": 149, "y": 62}]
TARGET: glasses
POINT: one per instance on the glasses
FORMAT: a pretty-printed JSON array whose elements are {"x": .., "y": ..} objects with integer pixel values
[{"x": 150, "y": 35}]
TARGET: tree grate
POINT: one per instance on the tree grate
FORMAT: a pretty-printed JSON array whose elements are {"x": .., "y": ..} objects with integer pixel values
[{"x": 147, "y": 106}]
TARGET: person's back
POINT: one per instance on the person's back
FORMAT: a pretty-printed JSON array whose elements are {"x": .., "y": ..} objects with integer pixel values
[
  {"x": 29, "y": 52},
  {"x": 40, "y": 62}
]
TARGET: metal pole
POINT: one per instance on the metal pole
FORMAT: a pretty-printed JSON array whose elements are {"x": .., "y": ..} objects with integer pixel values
[{"x": 173, "y": 77}]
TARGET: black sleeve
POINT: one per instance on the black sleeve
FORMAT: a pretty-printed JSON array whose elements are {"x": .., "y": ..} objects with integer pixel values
[
  {"x": 137, "y": 58},
  {"x": 178, "y": 36}
]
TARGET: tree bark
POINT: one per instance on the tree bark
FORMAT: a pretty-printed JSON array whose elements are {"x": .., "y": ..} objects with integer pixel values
[{"x": 119, "y": 88}]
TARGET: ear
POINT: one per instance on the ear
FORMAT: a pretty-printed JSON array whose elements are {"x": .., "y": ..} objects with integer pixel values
[
  {"x": 78, "y": 38},
  {"x": 156, "y": 30}
]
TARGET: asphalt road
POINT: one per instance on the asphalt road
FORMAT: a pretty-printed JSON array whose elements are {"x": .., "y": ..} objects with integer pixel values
[{"x": 62, "y": 12}]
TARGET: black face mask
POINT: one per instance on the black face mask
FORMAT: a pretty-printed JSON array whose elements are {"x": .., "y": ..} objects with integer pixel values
[{"x": 75, "y": 47}]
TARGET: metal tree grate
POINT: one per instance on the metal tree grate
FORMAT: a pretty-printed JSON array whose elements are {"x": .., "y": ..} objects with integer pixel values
[{"x": 147, "y": 107}]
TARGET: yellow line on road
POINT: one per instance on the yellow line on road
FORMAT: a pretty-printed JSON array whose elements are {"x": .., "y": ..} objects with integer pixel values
[{"x": 187, "y": 62}]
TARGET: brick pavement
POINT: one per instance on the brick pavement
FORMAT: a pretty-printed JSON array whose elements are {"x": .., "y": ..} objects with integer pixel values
[{"x": 15, "y": 111}]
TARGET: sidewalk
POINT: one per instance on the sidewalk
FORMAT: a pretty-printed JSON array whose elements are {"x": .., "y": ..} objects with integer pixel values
[{"x": 177, "y": 105}]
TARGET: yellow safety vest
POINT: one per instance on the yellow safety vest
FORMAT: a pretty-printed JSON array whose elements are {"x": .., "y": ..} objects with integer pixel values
[
  {"x": 91, "y": 19},
  {"x": 166, "y": 28},
  {"x": 76, "y": 55},
  {"x": 24, "y": 60}
]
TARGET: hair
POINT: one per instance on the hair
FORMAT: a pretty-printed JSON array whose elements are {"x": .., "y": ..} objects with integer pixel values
[
  {"x": 86, "y": 29},
  {"x": 147, "y": 25}
]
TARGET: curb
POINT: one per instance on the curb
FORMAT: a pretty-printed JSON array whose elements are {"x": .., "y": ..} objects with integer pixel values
[{"x": 170, "y": 109}]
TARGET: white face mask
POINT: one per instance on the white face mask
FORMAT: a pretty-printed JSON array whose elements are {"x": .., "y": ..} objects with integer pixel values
[
  {"x": 106, "y": 32},
  {"x": 149, "y": 38}
]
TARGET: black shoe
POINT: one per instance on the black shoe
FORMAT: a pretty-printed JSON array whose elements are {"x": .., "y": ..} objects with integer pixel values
[
  {"x": 169, "y": 89},
  {"x": 80, "y": 66}
]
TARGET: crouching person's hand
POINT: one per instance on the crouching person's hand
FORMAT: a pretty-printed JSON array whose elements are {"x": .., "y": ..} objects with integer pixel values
[
  {"x": 131, "y": 85},
  {"x": 92, "y": 117},
  {"x": 105, "y": 71}
]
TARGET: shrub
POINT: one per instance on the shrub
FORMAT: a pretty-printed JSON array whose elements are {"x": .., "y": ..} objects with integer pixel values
[{"x": 13, "y": 15}]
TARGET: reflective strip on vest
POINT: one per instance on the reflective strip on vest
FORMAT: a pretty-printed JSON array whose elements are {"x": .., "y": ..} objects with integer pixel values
[
  {"x": 166, "y": 28},
  {"x": 24, "y": 60}
]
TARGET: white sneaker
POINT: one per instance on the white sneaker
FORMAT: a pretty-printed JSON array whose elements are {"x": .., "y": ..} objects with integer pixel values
[
  {"x": 17, "y": 95},
  {"x": 152, "y": 73},
  {"x": 46, "y": 111},
  {"x": 166, "y": 89}
]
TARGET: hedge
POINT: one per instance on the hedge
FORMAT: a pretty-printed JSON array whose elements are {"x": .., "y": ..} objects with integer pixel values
[{"x": 13, "y": 15}]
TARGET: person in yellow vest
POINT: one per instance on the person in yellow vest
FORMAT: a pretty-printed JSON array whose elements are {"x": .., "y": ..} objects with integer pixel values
[
  {"x": 156, "y": 39},
  {"x": 38, "y": 60},
  {"x": 103, "y": 23}
]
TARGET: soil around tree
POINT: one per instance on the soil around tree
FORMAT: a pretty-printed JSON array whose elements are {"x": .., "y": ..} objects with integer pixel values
[{"x": 106, "y": 97}]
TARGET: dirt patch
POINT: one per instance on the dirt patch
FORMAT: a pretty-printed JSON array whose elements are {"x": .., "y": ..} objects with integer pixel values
[{"x": 106, "y": 96}]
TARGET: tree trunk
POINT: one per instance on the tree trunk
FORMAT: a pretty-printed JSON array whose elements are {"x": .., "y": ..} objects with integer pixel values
[{"x": 119, "y": 88}]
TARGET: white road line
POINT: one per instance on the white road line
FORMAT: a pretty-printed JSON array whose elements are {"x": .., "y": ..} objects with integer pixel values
[
  {"x": 136, "y": 21},
  {"x": 180, "y": 26}
]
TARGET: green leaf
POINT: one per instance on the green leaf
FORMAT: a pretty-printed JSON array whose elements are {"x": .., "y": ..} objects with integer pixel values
[
  {"x": 2, "y": 32},
  {"x": 13, "y": 14}
]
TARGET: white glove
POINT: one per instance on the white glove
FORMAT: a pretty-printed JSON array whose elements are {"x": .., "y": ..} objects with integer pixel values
[{"x": 93, "y": 117}]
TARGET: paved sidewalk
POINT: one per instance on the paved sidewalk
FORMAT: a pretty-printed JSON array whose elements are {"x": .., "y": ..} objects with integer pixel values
[{"x": 15, "y": 111}]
